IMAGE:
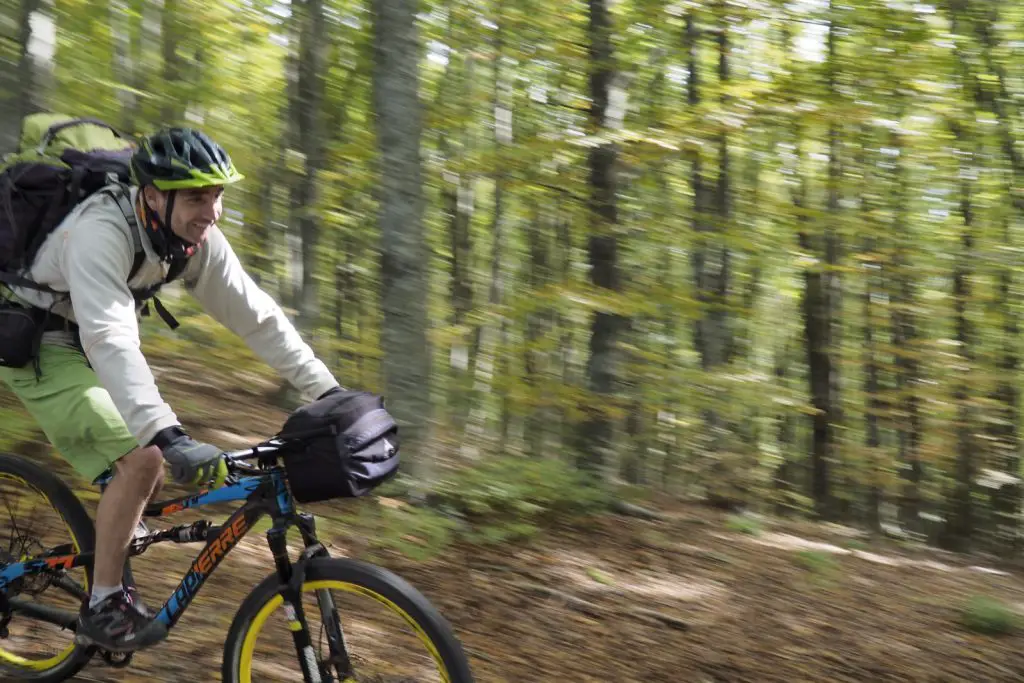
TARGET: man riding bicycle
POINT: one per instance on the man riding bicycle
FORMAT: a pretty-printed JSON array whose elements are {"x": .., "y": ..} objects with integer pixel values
[{"x": 95, "y": 396}]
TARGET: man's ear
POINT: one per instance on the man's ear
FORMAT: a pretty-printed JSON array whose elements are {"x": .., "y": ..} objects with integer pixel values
[{"x": 153, "y": 197}]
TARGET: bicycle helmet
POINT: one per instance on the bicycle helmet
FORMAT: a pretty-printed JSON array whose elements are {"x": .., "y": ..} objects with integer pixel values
[{"x": 179, "y": 158}]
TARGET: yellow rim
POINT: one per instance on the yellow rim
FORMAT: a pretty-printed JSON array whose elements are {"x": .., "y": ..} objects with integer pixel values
[
  {"x": 49, "y": 662},
  {"x": 256, "y": 627}
]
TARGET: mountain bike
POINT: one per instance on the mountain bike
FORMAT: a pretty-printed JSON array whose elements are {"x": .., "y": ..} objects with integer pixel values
[{"x": 333, "y": 619}]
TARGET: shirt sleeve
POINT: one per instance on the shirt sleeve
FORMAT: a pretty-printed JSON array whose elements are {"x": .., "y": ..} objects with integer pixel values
[
  {"x": 230, "y": 296},
  {"x": 96, "y": 260}
]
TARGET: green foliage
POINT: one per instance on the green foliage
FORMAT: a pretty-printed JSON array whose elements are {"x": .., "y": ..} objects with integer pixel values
[
  {"x": 988, "y": 615},
  {"x": 419, "y": 533},
  {"x": 508, "y": 497},
  {"x": 744, "y": 525},
  {"x": 894, "y": 151},
  {"x": 817, "y": 562}
]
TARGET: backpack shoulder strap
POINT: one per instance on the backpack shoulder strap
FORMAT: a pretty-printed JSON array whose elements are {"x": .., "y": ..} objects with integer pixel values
[
  {"x": 175, "y": 269},
  {"x": 15, "y": 280},
  {"x": 121, "y": 195}
]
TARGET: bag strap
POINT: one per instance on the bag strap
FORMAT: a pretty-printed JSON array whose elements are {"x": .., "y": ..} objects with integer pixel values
[
  {"x": 121, "y": 194},
  {"x": 164, "y": 314},
  {"x": 14, "y": 280}
]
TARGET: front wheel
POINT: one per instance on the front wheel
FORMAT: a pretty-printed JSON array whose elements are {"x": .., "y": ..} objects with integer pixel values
[{"x": 390, "y": 632}]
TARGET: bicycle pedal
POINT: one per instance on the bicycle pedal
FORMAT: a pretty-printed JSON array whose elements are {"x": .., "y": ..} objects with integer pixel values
[{"x": 117, "y": 660}]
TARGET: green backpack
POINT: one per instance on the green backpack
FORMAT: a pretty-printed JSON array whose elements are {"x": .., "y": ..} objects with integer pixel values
[{"x": 61, "y": 161}]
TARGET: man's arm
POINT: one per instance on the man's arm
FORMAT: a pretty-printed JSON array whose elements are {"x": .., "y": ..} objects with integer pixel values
[
  {"x": 227, "y": 293},
  {"x": 96, "y": 258}
]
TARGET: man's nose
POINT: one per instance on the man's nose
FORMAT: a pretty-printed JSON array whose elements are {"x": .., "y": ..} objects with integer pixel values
[{"x": 208, "y": 212}]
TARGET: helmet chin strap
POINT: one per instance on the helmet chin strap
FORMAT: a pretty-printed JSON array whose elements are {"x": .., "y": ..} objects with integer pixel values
[
  {"x": 168, "y": 210},
  {"x": 166, "y": 244}
]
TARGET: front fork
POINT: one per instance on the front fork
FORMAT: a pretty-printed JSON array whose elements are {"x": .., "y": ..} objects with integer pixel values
[{"x": 292, "y": 577}]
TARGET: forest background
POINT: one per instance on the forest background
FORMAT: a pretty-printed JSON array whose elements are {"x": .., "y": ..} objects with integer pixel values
[{"x": 762, "y": 254}]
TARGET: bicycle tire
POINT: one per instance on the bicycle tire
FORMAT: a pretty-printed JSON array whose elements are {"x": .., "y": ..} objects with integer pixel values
[
  {"x": 83, "y": 533},
  {"x": 384, "y": 585}
]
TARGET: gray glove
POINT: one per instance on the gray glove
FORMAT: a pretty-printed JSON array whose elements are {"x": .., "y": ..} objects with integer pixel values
[{"x": 192, "y": 463}]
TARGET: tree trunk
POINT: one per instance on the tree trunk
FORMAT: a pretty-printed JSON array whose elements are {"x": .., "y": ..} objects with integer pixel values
[
  {"x": 345, "y": 291},
  {"x": 1006, "y": 500},
  {"x": 290, "y": 285},
  {"x": 711, "y": 259},
  {"x": 871, "y": 264},
  {"x": 31, "y": 96},
  {"x": 172, "y": 111},
  {"x": 786, "y": 478},
  {"x": 132, "y": 119},
  {"x": 961, "y": 520},
  {"x": 261, "y": 258},
  {"x": 907, "y": 417},
  {"x": 603, "y": 362},
  {"x": 873, "y": 403},
  {"x": 19, "y": 76},
  {"x": 991, "y": 94},
  {"x": 820, "y": 306},
  {"x": 486, "y": 335},
  {"x": 727, "y": 478},
  {"x": 121, "y": 30},
  {"x": 704, "y": 339},
  {"x": 457, "y": 198},
  {"x": 819, "y": 364},
  {"x": 538, "y": 324},
  {"x": 404, "y": 253},
  {"x": 313, "y": 47}
]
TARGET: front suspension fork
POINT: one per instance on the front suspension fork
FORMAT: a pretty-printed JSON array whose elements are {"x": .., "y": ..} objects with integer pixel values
[{"x": 292, "y": 576}]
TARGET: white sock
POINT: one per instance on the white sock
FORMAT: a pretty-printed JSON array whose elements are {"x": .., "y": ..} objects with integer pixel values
[{"x": 101, "y": 593}]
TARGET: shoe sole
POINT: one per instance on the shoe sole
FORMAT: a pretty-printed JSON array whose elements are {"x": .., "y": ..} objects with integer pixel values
[{"x": 86, "y": 641}]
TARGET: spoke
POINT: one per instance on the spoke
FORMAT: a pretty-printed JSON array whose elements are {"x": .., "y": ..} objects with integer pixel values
[
  {"x": 14, "y": 525},
  {"x": 28, "y": 531}
]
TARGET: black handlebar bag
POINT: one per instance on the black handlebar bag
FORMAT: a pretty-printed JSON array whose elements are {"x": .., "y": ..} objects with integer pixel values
[{"x": 342, "y": 446}]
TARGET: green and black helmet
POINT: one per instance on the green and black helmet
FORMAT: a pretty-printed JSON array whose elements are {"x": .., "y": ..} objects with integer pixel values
[{"x": 179, "y": 158}]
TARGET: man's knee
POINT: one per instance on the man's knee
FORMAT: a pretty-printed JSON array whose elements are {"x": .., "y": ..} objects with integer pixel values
[{"x": 145, "y": 466}]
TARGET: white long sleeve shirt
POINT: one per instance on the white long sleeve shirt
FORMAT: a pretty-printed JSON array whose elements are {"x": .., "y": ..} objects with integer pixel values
[{"x": 90, "y": 254}]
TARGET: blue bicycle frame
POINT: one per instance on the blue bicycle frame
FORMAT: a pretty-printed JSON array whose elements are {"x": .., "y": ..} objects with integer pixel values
[{"x": 264, "y": 493}]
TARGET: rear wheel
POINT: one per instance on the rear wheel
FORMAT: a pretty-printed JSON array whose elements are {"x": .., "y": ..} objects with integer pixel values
[
  {"x": 39, "y": 514},
  {"x": 390, "y": 632}
]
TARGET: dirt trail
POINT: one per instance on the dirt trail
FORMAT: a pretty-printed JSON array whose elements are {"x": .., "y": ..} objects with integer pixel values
[
  {"x": 680, "y": 600},
  {"x": 623, "y": 599}
]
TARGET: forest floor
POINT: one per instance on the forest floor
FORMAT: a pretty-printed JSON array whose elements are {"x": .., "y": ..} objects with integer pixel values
[{"x": 694, "y": 596}]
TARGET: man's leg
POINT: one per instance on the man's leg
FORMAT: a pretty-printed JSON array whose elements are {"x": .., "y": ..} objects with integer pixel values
[
  {"x": 78, "y": 417},
  {"x": 138, "y": 477}
]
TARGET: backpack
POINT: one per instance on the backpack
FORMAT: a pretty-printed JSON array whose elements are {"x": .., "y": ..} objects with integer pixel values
[{"x": 60, "y": 162}]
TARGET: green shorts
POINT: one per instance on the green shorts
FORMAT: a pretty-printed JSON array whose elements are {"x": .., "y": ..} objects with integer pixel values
[{"x": 74, "y": 411}]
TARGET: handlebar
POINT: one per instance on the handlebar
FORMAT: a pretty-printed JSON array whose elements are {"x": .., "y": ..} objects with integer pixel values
[{"x": 237, "y": 460}]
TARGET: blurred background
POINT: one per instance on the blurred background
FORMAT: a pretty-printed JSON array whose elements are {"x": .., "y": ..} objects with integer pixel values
[{"x": 636, "y": 276}]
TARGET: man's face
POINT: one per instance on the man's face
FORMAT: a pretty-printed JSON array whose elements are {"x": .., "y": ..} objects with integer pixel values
[{"x": 195, "y": 210}]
